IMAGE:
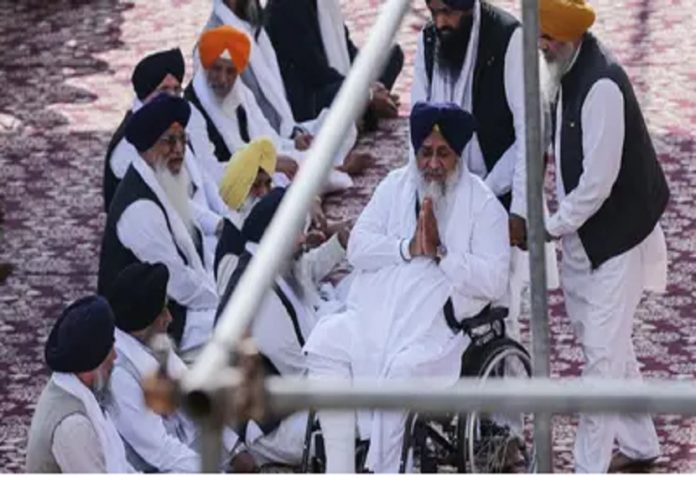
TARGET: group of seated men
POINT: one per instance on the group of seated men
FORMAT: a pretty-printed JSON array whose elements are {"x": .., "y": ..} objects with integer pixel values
[{"x": 192, "y": 182}]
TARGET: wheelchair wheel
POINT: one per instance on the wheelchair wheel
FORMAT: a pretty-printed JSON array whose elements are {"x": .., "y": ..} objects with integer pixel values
[{"x": 497, "y": 443}]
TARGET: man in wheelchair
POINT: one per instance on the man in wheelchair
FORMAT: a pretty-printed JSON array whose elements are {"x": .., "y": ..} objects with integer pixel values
[{"x": 430, "y": 249}]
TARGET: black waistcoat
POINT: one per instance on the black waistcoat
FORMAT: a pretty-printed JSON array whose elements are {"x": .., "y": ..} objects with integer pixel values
[
  {"x": 640, "y": 194},
  {"x": 114, "y": 256},
  {"x": 496, "y": 130},
  {"x": 110, "y": 182}
]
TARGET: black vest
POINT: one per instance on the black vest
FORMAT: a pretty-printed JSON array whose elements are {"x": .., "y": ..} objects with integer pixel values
[
  {"x": 222, "y": 152},
  {"x": 114, "y": 256},
  {"x": 640, "y": 194},
  {"x": 110, "y": 182},
  {"x": 496, "y": 130}
]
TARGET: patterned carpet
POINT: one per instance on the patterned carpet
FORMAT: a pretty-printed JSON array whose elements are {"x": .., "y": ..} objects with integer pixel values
[{"x": 65, "y": 69}]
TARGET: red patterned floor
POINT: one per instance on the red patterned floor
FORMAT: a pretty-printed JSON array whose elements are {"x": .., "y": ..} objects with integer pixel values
[{"x": 65, "y": 68}]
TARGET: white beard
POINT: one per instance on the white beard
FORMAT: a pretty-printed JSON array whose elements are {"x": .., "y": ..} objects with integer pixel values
[
  {"x": 550, "y": 80},
  {"x": 176, "y": 187},
  {"x": 442, "y": 195}
]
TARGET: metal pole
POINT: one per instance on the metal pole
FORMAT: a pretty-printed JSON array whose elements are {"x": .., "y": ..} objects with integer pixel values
[
  {"x": 211, "y": 443},
  {"x": 276, "y": 244},
  {"x": 494, "y": 395},
  {"x": 535, "y": 225}
]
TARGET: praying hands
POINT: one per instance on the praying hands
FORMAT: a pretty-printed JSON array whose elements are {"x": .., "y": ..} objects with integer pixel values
[{"x": 426, "y": 239}]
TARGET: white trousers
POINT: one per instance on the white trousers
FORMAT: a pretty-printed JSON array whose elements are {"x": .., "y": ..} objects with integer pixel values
[
  {"x": 601, "y": 305},
  {"x": 283, "y": 445}
]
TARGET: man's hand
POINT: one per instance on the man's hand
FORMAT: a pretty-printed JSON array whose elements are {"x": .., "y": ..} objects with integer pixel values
[
  {"x": 383, "y": 103},
  {"x": 343, "y": 236},
  {"x": 518, "y": 231},
  {"x": 314, "y": 239},
  {"x": 303, "y": 141},
  {"x": 426, "y": 239},
  {"x": 287, "y": 166},
  {"x": 316, "y": 216}
]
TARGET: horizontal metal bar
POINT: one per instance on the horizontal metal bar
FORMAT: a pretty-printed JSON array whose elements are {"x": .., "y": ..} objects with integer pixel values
[
  {"x": 277, "y": 242},
  {"x": 510, "y": 395}
]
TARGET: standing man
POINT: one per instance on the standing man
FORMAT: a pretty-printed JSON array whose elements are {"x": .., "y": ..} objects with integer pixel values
[
  {"x": 70, "y": 432},
  {"x": 611, "y": 194}
]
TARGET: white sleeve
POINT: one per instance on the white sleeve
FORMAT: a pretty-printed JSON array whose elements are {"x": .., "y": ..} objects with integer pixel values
[
  {"x": 144, "y": 430},
  {"x": 370, "y": 247},
  {"x": 76, "y": 446},
  {"x": 602, "y": 143},
  {"x": 202, "y": 146},
  {"x": 419, "y": 87},
  {"x": 121, "y": 158},
  {"x": 509, "y": 173},
  {"x": 207, "y": 219},
  {"x": 143, "y": 229},
  {"x": 320, "y": 261},
  {"x": 483, "y": 273}
]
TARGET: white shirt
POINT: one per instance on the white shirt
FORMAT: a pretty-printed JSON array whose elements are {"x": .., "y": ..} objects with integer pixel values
[{"x": 76, "y": 446}]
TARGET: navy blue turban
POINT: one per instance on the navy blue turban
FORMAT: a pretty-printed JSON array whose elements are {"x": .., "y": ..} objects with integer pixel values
[
  {"x": 152, "y": 69},
  {"x": 261, "y": 215},
  {"x": 138, "y": 295},
  {"x": 154, "y": 118},
  {"x": 458, "y": 4},
  {"x": 82, "y": 337},
  {"x": 455, "y": 125}
]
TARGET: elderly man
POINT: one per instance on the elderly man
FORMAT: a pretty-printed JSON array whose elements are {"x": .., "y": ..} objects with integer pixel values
[
  {"x": 315, "y": 54},
  {"x": 150, "y": 220},
  {"x": 233, "y": 116},
  {"x": 70, "y": 432},
  {"x": 162, "y": 72},
  {"x": 154, "y": 443},
  {"x": 471, "y": 54},
  {"x": 286, "y": 318},
  {"x": 611, "y": 194},
  {"x": 263, "y": 78},
  {"x": 433, "y": 234}
]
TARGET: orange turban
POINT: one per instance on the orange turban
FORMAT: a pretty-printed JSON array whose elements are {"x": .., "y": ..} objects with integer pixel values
[
  {"x": 218, "y": 41},
  {"x": 565, "y": 20}
]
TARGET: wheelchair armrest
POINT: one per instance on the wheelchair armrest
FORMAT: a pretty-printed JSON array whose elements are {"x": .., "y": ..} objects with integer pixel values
[{"x": 487, "y": 316}]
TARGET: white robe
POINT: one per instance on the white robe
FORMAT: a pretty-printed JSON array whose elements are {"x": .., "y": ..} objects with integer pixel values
[
  {"x": 169, "y": 443},
  {"x": 394, "y": 326},
  {"x": 601, "y": 303},
  {"x": 142, "y": 228}
]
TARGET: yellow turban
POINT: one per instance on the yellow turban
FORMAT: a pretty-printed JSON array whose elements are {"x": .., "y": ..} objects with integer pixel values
[
  {"x": 242, "y": 169},
  {"x": 215, "y": 42},
  {"x": 565, "y": 20}
]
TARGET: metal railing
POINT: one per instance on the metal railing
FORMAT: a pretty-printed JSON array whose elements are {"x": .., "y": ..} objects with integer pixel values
[{"x": 209, "y": 388}]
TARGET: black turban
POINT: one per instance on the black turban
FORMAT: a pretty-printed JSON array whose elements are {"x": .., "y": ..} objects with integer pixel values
[
  {"x": 261, "y": 215},
  {"x": 458, "y": 4},
  {"x": 154, "y": 118},
  {"x": 152, "y": 69},
  {"x": 138, "y": 295},
  {"x": 82, "y": 337},
  {"x": 456, "y": 125}
]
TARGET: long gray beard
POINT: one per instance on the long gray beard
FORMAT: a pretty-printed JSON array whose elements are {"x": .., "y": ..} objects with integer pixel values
[
  {"x": 101, "y": 388},
  {"x": 442, "y": 194},
  {"x": 176, "y": 187}
]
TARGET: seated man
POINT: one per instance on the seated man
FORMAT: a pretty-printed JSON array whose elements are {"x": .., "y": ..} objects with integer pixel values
[
  {"x": 433, "y": 234},
  {"x": 69, "y": 431},
  {"x": 315, "y": 54},
  {"x": 263, "y": 78},
  {"x": 162, "y": 72},
  {"x": 232, "y": 115},
  {"x": 284, "y": 321},
  {"x": 154, "y": 443},
  {"x": 150, "y": 220}
]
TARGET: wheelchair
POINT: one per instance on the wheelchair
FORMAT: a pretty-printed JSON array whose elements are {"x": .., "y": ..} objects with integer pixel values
[{"x": 460, "y": 443}]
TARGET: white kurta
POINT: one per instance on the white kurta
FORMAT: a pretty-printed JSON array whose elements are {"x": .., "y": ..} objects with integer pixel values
[
  {"x": 601, "y": 303},
  {"x": 143, "y": 229},
  {"x": 394, "y": 326}
]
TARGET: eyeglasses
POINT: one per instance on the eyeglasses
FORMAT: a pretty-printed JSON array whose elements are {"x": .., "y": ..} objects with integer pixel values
[{"x": 172, "y": 140}]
